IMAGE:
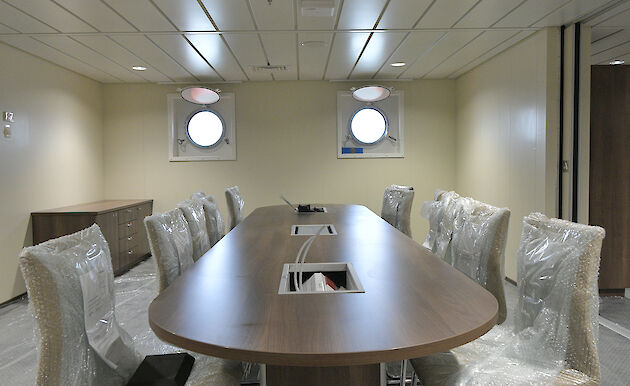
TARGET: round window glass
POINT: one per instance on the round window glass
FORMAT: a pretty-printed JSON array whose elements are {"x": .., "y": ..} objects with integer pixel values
[
  {"x": 205, "y": 128},
  {"x": 368, "y": 125}
]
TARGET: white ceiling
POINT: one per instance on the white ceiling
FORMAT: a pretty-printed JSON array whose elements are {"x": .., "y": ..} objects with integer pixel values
[
  {"x": 611, "y": 34},
  {"x": 222, "y": 40}
]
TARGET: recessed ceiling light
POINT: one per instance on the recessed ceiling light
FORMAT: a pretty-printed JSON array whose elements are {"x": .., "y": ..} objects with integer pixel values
[
  {"x": 313, "y": 43},
  {"x": 139, "y": 68},
  {"x": 398, "y": 64},
  {"x": 616, "y": 62}
]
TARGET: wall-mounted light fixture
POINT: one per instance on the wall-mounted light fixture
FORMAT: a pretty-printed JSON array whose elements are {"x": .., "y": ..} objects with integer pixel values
[
  {"x": 200, "y": 95},
  {"x": 371, "y": 93}
]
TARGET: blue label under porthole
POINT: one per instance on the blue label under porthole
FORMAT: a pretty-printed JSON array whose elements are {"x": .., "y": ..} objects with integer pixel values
[{"x": 351, "y": 150}]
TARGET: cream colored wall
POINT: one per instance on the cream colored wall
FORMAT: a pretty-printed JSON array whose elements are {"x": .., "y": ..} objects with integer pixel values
[
  {"x": 286, "y": 136},
  {"x": 55, "y": 156},
  {"x": 502, "y": 127}
]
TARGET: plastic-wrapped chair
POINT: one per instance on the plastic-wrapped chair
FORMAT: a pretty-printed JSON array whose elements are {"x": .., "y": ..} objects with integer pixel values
[
  {"x": 396, "y": 208},
  {"x": 171, "y": 245},
  {"x": 199, "y": 194},
  {"x": 202, "y": 196},
  {"x": 214, "y": 220},
  {"x": 555, "y": 333},
  {"x": 195, "y": 216},
  {"x": 235, "y": 205}
]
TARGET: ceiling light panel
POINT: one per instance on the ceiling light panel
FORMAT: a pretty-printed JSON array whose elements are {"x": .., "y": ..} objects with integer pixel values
[
  {"x": 447, "y": 46},
  {"x": 345, "y": 51},
  {"x": 248, "y": 51},
  {"x": 53, "y": 15},
  {"x": 45, "y": 52},
  {"x": 403, "y": 13},
  {"x": 487, "y": 13},
  {"x": 230, "y": 15},
  {"x": 313, "y": 58},
  {"x": 360, "y": 14},
  {"x": 97, "y": 14},
  {"x": 178, "y": 48},
  {"x": 279, "y": 15},
  {"x": 281, "y": 49},
  {"x": 187, "y": 15},
  {"x": 217, "y": 54},
  {"x": 319, "y": 22},
  {"x": 445, "y": 13},
  {"x": 530, "y": 12},
  {"x": 120, "y": 55},
  {"x": 413, "y": 47},
  {"x": 18, "y": 21},
  {"x": 377, "y": 52},
  {"x": 90, "y": 56},
  {"x": 148, "y": 52},
  {"x": 142, "y": 14}
]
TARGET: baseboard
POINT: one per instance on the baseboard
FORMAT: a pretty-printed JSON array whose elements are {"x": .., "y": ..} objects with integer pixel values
[
  {"x": 16, "y": 298},
  {"x": 612, "y": 292},
  {"x": 510, "y": 281}
]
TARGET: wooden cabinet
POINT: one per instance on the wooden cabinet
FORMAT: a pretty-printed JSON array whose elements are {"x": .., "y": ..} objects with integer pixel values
[{"x": 121, "y": 222}]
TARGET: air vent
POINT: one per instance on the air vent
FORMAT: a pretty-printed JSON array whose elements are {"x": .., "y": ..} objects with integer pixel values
[
  {"x": 270, "y": 67},
  {"x": 318, "y": 8}
]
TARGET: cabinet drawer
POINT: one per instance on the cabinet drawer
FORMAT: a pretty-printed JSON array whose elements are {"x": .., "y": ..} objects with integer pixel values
[
  {"x": 128, "y": 256},
  {"x": 127, "y": 229},
  {"x": 126, "y": 215},
  {"x": 126, "y": 243}
]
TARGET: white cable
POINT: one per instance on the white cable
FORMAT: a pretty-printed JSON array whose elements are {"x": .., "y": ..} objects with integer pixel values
[
  {"x": 310, "y": 242},
  {"x": 297, "y": 261}
]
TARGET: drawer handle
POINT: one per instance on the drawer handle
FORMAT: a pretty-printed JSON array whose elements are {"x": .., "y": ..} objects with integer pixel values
[
  {"x": 129, "y": 238},
  {"x": 129, "y": 252},
  {"x": 128, "y": 210},
  {"x": 128, "y": 225}
]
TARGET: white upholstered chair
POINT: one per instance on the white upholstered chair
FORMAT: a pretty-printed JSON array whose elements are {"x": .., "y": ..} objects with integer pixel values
[
  {"x": 235, "y": 205},
  {"x": 554, "y": 337},
  {"x": 396, "y": 209},
  {"x": 214, "y": 221},
  {"x": 195, "y": 216}
]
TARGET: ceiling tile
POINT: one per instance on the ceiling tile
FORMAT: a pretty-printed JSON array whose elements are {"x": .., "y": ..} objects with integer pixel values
[
  {"x": 610, "y": 54},
  {"x": 317, "y": 22},
  {"x": 610, "y": 41},
  {"x": 53, "y": 15},
  {"x": 121, "y": 55},
  {"x": 607, "y": 15},
  {"x": 45, "y": 52},
  {"x": 600, "y": 33},
  {"x": 142, "y": 14},
  {"x": 146, "y": 50},
  {"x": 87, "y": 55},
  {"x": 451, "y": 43},
  {"x": 571, "y": 12},
  {"x": 97, "y": 14},
  {"x": 279, "y": 15},
  {"x": 403, "y": 13},
  {"x": 360, "y": 14},
  {"x": 248, "y": 51},
  {"x": 281, "y": 48},
  {"x": 445, "y": 13},
  {"x": 218, "y": 55},
  {"x": 622, "y": 19},
  {"x": 187, "y": 15},
  {"x": 313, "y": 55},
  {"x": 178, "y": 48},
  {"x": 487, "y": 13},
  {"x": 530, "y": 12},
  {"x": 345, "y": 50},
  {"x": 378, "y": 50},
  {"x": 6, "y": 30},
  {"x": 230, "y": 15},
  {"x": 414, "y": 46},
  {"x": 19, "y": 21}
]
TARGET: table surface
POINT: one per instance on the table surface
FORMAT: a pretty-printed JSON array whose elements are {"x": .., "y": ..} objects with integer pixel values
[{"x": 227, "y": 305}]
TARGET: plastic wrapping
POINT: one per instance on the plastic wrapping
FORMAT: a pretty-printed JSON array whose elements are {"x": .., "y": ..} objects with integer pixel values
[
  {"x": 554, "y": 339},
  {"x": 193, "y": 211},
  {"x": 214, "y": 220},
  {"x": 440, "y": 214},
  {"x": 171, "y": 245},
  {"x": 70, "y": 285},
  {"x": 197, "y": 195},
  {"x": 235, "y": 205},
  {"x": 396, "y": 209}
]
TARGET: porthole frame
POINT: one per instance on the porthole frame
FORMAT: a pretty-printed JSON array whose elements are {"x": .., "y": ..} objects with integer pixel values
[
  {"x": 223, "y": 132},
  {"x": 380, "y": 111}
]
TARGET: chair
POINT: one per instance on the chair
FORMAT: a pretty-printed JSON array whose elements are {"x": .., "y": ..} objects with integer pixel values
[
  {"x": 171, "y": 245},
  {"x": 214, "y": 221},
  {"x": 396, "y": 208},
  {"x": 202, "y": 195},
  {"x": 554, "y": 340},
  {"x": 194, "y": 214},
  {"x": 235, "y": 205}
]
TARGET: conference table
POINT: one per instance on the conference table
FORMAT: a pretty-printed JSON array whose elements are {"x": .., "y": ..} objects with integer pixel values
[{"x": 228, "y": 304}]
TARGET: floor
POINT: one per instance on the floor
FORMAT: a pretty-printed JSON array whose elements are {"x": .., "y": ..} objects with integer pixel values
[{"x": 136, "y": 288}]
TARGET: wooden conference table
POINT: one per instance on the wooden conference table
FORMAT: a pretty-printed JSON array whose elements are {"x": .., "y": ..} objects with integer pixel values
[{"x": 227, "y": 305}]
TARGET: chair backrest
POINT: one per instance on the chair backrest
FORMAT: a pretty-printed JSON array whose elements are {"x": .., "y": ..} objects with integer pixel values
[
  {"x": 396, "y": 210},
  {"x": 71, "y": 290},
  {"x": 441, "y": 214},
  {"x": 171, "y": 245},
  {"x": 199, "y": 194},
  {"x": 214, "y": 220},
  {"x": 196, "y": 218},
  {"x": 556, "y": 317},
  {"x": 235, "y": 205}
]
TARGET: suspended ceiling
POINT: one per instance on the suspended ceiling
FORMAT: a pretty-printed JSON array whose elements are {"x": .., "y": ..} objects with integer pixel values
[
  {"x": 611, "y": 35},
  {"x": 227, "y": 40}
]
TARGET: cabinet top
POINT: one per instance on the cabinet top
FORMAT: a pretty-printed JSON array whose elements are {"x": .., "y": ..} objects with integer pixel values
[{"x": 95, "y": 207}]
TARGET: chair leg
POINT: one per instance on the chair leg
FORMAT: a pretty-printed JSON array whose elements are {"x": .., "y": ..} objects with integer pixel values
[
  {"x": 414, "y": 380},
  {"x": 403, "y": 373}
]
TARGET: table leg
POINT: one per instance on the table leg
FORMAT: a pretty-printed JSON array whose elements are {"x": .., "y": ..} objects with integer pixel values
[{"x": 364, "y": 375}]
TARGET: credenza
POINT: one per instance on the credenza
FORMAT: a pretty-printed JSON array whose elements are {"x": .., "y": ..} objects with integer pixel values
[{"x": 121, "y": 222}]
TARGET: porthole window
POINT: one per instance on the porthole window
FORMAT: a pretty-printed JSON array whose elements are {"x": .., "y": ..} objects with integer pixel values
[
  {"x": 368, "y": 125},
  {"x": 205, "y": 128}
]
